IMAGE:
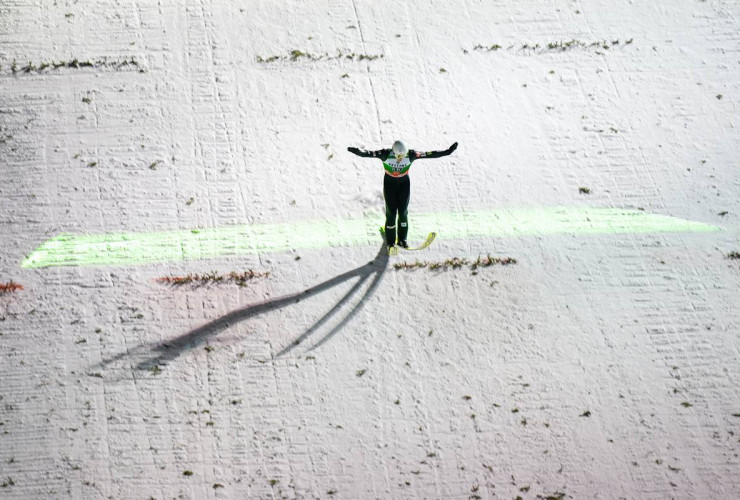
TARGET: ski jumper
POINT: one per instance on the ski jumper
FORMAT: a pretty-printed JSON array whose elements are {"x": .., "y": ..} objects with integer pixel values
[{"x": 397, "y": 187}]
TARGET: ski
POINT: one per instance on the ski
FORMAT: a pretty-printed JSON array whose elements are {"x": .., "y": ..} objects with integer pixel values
[
  {"x": 424, "y": 245},
  {"x": 394, "y": 250}
]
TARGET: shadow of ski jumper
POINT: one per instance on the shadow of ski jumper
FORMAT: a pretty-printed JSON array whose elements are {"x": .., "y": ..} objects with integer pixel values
[{"x": 169, "y": 350}]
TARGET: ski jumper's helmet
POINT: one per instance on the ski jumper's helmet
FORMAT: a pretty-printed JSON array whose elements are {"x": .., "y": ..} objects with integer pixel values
[{"x": 399, "y": 148}]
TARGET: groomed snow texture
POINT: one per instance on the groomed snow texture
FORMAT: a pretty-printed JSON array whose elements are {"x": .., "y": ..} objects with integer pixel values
[{"x": 598, "y": 365}]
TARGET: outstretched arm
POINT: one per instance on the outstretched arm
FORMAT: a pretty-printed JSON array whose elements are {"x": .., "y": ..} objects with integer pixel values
[
  {"x": 436, "y": 154},
  {"x": 381, "y": 153}
]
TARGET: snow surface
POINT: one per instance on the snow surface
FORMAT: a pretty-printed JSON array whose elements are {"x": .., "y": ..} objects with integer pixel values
[{"x": 597, "y": 366}]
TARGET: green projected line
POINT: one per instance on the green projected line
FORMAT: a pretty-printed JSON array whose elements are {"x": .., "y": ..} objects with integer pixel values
[{"x": 166, "y": 246}]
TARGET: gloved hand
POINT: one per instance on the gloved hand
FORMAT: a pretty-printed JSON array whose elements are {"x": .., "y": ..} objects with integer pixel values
[
  {"x": 452, "y": 148},
  {"x": 352, "y": 150}
]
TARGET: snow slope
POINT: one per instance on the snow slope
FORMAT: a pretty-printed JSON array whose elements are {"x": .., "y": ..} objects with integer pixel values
[{"x": 601, "y": 365}]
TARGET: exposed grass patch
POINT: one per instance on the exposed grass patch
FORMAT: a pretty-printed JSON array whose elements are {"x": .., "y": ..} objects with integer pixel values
[
  {"x": 572, "y": 44},
  {"x": 556, "y": 47},
  {"x": 490, "y": 48},
  {"x": 555, "y": 496},
  {"x": 76, "y": 64},
  {"x": 297, "y": 55},
  {"x": 10, "y": 286},
  {"x": 456, "y": 263},
  {"x": 214, "y": 277}
]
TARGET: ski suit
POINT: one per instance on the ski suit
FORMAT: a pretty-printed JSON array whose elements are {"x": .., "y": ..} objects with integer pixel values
[{"x": 397, "y": 187}]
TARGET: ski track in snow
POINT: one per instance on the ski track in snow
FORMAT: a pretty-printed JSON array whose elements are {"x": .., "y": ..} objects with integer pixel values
[{"x": 598, "y": 366}]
